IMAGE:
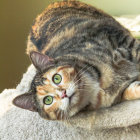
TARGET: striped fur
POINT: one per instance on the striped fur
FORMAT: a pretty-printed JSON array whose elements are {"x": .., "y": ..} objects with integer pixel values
[{"x": 79, "y": 35}]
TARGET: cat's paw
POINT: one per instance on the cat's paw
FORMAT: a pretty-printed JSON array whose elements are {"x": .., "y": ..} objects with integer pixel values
[{"x": 132, "y": 92}]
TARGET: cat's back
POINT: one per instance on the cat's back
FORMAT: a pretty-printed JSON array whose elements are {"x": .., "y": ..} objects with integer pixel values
[{"x": 64, "y": 21}]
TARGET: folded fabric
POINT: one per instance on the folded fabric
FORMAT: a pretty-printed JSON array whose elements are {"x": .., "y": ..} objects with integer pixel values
[{"x": 131, "y": 22}]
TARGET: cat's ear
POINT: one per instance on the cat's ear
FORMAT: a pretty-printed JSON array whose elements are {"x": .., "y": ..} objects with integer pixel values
[
  {"x": 40, "y": 61},
  {"x": 26, "y": 101}
]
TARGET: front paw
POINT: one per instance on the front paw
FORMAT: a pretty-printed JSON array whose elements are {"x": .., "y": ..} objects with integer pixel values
[{"x": 132, "y": 92}]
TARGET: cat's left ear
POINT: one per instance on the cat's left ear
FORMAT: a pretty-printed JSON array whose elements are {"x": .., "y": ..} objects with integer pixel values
[
  {"x": 26, "y": 101},
  {"x": 40, "y": 61}
]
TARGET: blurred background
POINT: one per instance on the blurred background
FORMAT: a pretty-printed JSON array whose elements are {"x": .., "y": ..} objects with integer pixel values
[{"x": 16, "y": 18}]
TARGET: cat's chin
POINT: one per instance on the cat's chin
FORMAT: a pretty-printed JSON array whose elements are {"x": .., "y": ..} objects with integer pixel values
[
  {"x": 68, "y": 102},
  {"x": 65, "y": 103},
  {"x": 75, "y": 106}
]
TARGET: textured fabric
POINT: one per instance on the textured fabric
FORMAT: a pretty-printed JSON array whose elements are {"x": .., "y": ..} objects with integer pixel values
[
  {"x": 115, "y": 123},
  {"x": 132, "y": 23}
]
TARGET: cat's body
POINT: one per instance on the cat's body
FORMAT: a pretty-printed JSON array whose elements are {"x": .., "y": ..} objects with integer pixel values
[{"x": 92, "y": 45}]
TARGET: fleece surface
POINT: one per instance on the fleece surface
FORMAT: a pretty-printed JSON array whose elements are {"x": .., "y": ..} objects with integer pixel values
[{"x": 120, "y": 122}]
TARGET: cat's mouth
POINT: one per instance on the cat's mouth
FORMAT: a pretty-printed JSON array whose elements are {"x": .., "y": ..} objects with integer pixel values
[
  {"x": 65, "y": 95},
  {"x": 70, "y": 97}
]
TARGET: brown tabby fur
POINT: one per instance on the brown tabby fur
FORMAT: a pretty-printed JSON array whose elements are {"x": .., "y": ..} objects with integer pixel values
[{"x": 83, "y": 38}]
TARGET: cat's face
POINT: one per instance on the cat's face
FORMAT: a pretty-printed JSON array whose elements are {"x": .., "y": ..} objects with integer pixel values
[
  {"x": 62, "y": 93},
  {"x": 59, "y": 93}
]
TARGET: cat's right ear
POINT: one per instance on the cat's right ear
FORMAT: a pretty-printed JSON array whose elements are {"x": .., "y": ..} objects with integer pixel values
[
  {"x": 26, "y": 101},
  {"x": 40, "y": 61}
]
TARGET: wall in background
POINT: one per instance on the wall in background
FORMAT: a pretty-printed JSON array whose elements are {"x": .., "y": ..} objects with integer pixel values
[
  {"x": 16, "y": 18},
  {"x": 117, "y": 7}
]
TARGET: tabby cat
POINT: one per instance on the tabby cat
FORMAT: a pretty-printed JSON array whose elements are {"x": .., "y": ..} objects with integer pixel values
[{"x": 84, "y": 59}]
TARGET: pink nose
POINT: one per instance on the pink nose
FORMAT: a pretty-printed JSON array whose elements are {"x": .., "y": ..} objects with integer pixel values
[{"x": 64, "y": 94}]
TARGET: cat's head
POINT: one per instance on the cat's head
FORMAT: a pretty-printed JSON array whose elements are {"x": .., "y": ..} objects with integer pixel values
[{"x": 58, "y": 91}]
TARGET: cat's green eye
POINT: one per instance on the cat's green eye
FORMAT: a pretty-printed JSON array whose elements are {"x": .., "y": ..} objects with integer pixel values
[
  {"x": 57, "y": 79},
  {"x": 48, "y": 100}
]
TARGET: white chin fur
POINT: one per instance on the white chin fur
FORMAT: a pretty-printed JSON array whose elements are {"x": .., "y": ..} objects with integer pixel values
[{"x": 65, "y": 103}]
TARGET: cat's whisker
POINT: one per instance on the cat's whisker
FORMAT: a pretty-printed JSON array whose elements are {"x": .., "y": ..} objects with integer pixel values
[
  {"x": 88, "y": 84},
  {"x": 61, "y": 115},
  {"x": 75, "y": 83},
  {"x": 85, "y": 70},
  {"x": 82, "y": 75},
  {"x": 83, "y": 89},
  {"x": 79, "y": 72},
  {"x": 58, "y": 113},
  {"x": 67, "y": 119},
  {"x": 65, "y": 115}
]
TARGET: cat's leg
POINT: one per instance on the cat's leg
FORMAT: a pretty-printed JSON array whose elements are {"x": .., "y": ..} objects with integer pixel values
[{"x": 132, "y": 92}]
